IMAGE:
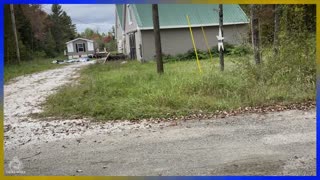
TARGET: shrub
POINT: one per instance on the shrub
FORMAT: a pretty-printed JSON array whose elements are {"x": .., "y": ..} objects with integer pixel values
[
  {"x": 39, "y": 54},
  {"x": 192, "y": 55},
  {"x": 227, "y": 49},
  {"x": 241, "y": 50},
  {"x": 180, "y": 57}
]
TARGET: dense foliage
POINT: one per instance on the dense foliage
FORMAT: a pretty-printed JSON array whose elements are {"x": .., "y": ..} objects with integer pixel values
[
  {"x": 233, "y": 50},
  {"x": 43, "y": 35},
  {"x": 40, "y": 34},
  {"x": 102, "y": 40}
]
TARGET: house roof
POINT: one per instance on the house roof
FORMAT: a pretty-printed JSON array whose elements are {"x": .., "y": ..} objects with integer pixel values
[
  {"x": 174, "y": 15},
  {"x": 119, "y": 9},
  {"x": 79, "y": 39}
]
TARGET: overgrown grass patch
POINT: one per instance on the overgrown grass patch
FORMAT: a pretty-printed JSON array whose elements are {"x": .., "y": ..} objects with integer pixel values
[
  {"x": 134, "y": 90},
  {"x": 27, "y": 67}
]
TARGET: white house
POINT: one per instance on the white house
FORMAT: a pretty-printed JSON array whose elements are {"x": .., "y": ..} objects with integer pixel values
[{"x": 80, "y": 47}]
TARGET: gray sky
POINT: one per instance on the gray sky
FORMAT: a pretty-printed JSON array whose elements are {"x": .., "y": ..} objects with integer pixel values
[{"x": 94, "y": 16}]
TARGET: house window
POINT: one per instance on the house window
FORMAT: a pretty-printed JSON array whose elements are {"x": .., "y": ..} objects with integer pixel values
[
  {"x": 80, "y": 47},
  {"x": 129, "y": 14}
]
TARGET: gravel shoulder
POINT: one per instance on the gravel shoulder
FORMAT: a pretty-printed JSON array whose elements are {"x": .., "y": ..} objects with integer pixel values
[{"x": 274, "y": 143}]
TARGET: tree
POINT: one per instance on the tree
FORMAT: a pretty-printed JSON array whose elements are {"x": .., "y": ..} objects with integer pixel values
[
  {"x": 157, "y": 38},
  {"x": 69, "y": 28},
  {"x": 39, "y": 34},
  {"x": 50, "y": 44},
  {"x": 56, "y": 29},
  {"x": 38, "y": 22},
  {"x": 255, "y": 33},
  {"x": 62, "y": 28},
  {"x": 25, "y": 31},
  {"x": 24, "y": 35},
  {"x": 276, "y": 30},
  {"x": 109, "y": 40},
  {"x": 88, "y": 33}
]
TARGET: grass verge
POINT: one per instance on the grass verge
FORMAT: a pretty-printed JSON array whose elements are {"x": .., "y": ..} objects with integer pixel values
[
  {"x": 27, "y": 67},
  {"x": 134, "y": 90}
]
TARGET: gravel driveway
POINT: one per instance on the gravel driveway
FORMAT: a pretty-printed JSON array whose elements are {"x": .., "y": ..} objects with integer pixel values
[{"x": 277, "y": 143}]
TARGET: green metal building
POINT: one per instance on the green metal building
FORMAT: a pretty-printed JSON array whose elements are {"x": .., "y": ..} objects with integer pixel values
[{"x": 134, "y": 27}]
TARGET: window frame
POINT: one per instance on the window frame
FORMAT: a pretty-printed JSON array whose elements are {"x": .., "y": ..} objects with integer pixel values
[{"x": 82, "y": 47}]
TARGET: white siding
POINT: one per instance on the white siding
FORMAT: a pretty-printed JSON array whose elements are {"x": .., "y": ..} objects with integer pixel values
[
  {"x": 138, "y": 45},
  {"x": 70, "y": 47},
  {"x": 90, "y": 46},
  {"x": 119, "y": 35},
  {"x": 120, "y": 46}
]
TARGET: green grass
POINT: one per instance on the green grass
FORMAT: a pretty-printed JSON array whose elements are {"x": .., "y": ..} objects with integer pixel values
[
  {"x": 27, "y": 67},
  {"x": 134, "y": 90}
]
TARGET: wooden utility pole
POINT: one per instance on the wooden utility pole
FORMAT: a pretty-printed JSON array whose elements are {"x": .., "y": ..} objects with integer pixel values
[
  {"x": 15, "y": 31},
  {"x": 255, "y": 34},
  {"x": 157, "y": 39},
  {"x": 221, "y": 56},
  {"x": 276, "y": 30}
]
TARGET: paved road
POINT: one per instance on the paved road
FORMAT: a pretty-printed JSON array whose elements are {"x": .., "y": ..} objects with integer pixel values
[{"x": 277, "y": 143}]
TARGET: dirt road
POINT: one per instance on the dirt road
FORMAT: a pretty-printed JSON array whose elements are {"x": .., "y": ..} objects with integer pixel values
[{"x": 278, "y": 143}]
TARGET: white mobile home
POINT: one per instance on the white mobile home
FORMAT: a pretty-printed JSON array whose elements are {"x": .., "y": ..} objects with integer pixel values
[{"x": 80, "y": 47}]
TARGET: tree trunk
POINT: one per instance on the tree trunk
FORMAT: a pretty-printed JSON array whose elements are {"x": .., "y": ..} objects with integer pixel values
[
  {"x": 276, "y": 30},
  {"x": 255, "y": 34},
  {"x": 157, "y": 38}
]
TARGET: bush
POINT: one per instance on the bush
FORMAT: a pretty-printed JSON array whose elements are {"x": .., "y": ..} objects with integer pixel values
[
  {"x": 229, "y": 49},
  {"x": 292, "y": 65},
  {"x": 166, "y": 57},
  {"x": 39, "y": 54},
  {"x": 214, "y": 51},
  {"x": 25, "y": 53},
  {"x": 189, "y": 55},
  {"x": 180, "y": 57},
  {"x": 192, "y": 55},
  {"x": 241, "y": 50}
]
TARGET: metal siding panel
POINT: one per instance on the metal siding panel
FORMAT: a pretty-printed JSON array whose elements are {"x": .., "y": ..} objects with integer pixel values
[
  {"x": 176, "y": 41},
  {"x": 119, "y": 9},
  {"x": 175, "y": 14}
]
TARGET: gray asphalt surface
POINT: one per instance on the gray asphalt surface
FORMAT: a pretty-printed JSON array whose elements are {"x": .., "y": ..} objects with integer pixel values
[{"x": 277, "y": 143}]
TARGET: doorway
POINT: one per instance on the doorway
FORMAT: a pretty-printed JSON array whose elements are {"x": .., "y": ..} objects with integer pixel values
[{"x": 132, "y": 44}]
